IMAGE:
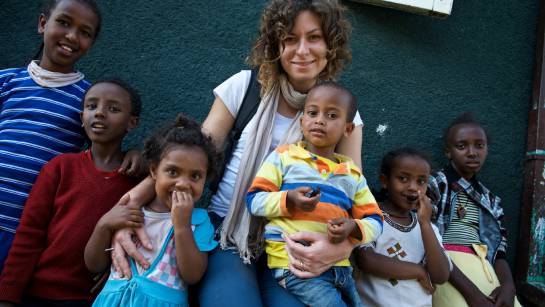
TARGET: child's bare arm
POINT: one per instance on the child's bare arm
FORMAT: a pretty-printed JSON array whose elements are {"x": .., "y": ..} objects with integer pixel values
[
  {"x": 120, "y": 216},
  {"x": 191, "y": 262},
  {"x": 96, "y": 256},
  {"x": 386, "y": 267},
  {"x": 504, "y": 295},
  {"x": 437, "y": 263},
  {"x": 470, "y": 292}
]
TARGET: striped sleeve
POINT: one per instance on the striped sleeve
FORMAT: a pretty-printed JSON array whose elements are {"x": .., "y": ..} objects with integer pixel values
[
  {"x": 367, "y": 214},
  {"x": 5, "y": 76},
  {"x": 264, "y": 197}
]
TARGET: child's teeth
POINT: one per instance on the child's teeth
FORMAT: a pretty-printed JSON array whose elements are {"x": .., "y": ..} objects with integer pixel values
[{"x": 67, "y": 48}]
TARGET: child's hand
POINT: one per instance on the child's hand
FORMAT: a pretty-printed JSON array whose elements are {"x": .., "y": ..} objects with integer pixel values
[
  {"x": 133, "y": 164},
  {"x": 424, "y": 208},
  {"x": 480, "y": 300},
  {"x": 503, "y": 295},
  {"x": 339, "y": 229},
  {"x": 182, "y": 207},
  {"x": 122, "y": 216},
  {"x": 425, "y": 281},
  {"x": 297, "y": 199}
]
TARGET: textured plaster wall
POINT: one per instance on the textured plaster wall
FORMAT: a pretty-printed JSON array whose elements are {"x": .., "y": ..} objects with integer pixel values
[{"x": 412, "y": 74}]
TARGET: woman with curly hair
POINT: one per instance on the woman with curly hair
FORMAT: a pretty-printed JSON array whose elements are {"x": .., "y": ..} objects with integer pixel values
[{"x": 300, "y": 43}]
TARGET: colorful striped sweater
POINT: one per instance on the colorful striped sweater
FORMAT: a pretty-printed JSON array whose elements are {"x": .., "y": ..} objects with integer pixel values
[{"x": 343, "y": 193}]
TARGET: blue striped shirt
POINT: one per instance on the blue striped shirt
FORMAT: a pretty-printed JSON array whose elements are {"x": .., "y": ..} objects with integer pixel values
[{"x": 36, "y": 124}]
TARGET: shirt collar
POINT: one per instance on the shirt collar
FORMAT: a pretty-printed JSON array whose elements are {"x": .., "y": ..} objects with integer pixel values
[
  {"x": 453, "y": 176},
  {"x": 344, "y": 164}
]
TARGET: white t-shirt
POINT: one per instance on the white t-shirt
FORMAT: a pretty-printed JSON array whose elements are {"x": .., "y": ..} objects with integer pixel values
[
  {"x": 232, "y": 92},
  {"x": 404, "y": 244}
]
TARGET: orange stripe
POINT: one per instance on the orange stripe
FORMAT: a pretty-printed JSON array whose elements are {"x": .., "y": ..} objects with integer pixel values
[
  {"x": 322, "y": 213},
  {"x": 360, "y": 211},
  {"x": 282, "y": 148},
  {"x": 283, "y": 205},
  {"x": 263, "y": 184}
]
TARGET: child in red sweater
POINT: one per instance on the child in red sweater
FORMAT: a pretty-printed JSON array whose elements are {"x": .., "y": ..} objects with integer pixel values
[{"x": 45, "y": 265}]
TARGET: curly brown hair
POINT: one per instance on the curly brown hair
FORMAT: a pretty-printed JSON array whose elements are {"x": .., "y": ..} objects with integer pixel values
[{"x": 277, "y": 21}]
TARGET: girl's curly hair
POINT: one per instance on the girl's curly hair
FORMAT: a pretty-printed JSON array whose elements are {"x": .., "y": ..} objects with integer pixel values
[
  {"x": 184, "y": 131},
  {"x": 277, "y": 21}
]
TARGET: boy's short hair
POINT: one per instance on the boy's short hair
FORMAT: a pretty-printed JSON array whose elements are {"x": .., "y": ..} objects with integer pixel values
[
  {"x": 352, "y": 101},
  {"x": 136, "y": 101},
  {"x": 465, "y": 118}
]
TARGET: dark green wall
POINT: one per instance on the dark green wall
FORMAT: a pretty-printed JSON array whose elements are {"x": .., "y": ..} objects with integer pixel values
[{"x": 411, "y": 73}]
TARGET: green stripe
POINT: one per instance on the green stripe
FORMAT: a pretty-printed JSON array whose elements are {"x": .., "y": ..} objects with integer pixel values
[{"x": 538, "y": 152}]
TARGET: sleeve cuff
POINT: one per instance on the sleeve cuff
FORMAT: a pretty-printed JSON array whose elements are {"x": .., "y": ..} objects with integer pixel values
[
  {"x": 283, "y": 204},
  {"x": 362, "y": 233}
]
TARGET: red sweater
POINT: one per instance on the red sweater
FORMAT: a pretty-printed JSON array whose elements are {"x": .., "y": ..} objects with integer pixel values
[{"x": 67, "y": 200}]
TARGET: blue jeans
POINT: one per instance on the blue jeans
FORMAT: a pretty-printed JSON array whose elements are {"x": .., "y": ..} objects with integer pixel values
[
  {"x": 230, "y": 282},
  {"x": 334, "y": 288}
]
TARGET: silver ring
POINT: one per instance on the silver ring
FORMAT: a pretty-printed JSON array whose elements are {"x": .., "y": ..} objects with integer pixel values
[{"x": 302, "y": 264}]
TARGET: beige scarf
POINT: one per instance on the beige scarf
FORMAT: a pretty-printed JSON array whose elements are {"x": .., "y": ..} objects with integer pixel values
[
  {"x": 241, "y": 230},
  {"x": 48, "y": 78}
]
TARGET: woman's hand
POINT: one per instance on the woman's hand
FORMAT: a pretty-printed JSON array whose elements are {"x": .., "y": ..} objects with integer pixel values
[
  {"x": 133, "y": 165},
  {"x": 316, "y": 258},
  {"x": 123, "y": 243}
]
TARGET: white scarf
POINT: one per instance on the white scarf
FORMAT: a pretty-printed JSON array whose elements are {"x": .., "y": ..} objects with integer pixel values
[
  {"x": 48, "y": 78},
  {"x": 240, "y": 228}
]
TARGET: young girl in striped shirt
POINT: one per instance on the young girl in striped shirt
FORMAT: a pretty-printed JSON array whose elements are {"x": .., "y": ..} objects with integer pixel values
[{"x": 469, "y": 218}]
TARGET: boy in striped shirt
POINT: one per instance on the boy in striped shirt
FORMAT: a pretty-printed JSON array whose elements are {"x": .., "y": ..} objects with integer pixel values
[{"x": 308, "y": 187}]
